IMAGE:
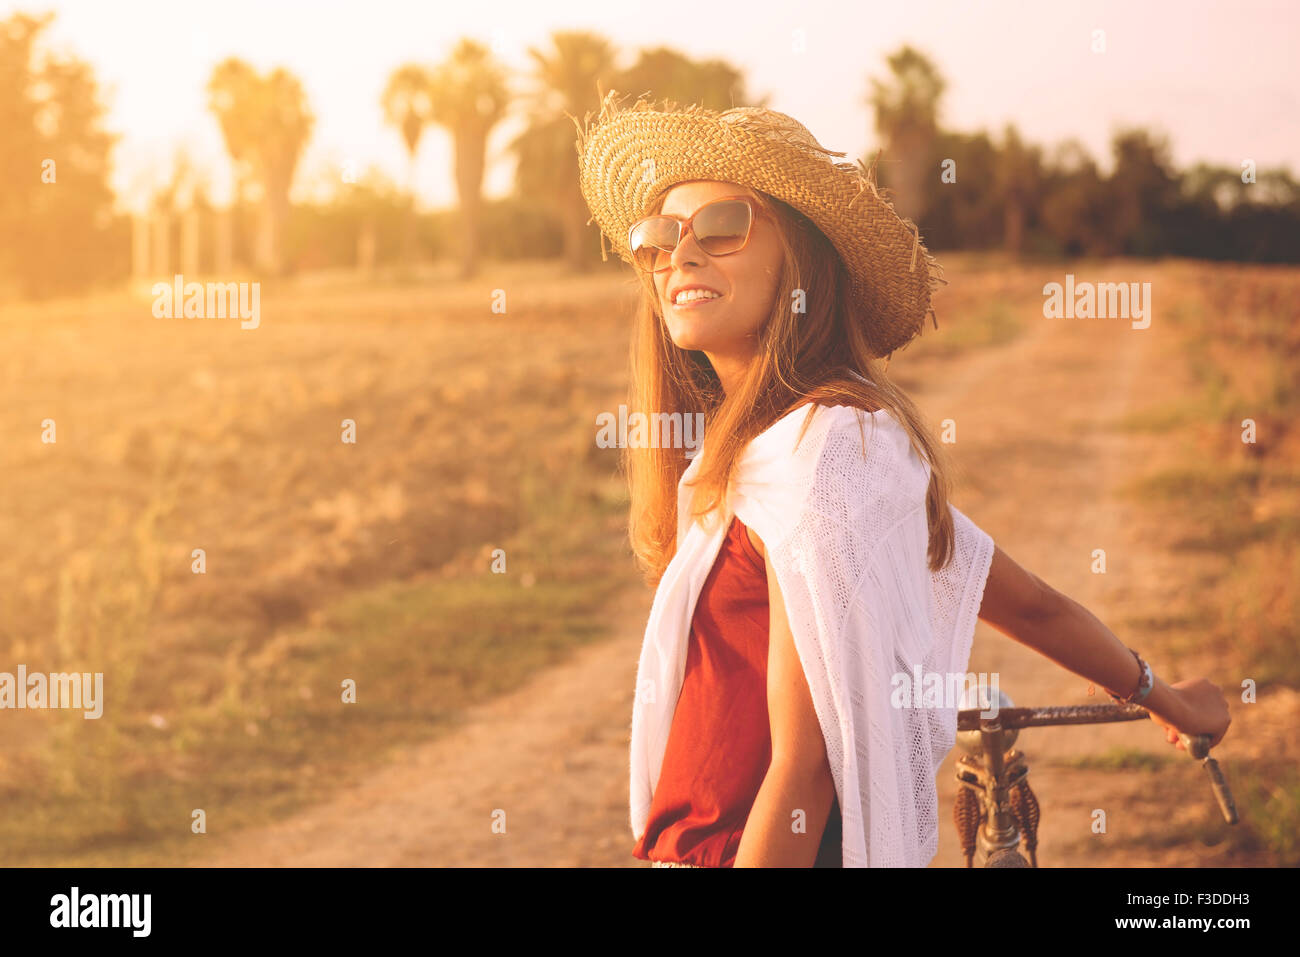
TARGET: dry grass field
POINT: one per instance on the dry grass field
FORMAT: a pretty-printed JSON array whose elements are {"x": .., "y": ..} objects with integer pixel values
[{"x": 328, "y": 561}]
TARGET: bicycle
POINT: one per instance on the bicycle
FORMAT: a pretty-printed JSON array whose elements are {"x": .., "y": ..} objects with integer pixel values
[{"x": 996, "y": 811}]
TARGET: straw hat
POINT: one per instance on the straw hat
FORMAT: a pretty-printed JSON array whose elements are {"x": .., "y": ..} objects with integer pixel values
[{"x": 632, "y": 154}]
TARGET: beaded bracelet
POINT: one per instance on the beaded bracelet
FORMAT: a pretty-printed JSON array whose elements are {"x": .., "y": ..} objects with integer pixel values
[{"x": 1146, "y": 681}]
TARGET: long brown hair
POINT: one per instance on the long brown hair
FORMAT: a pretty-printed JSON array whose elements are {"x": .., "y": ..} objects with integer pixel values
[{"x": 802, "y": 356}]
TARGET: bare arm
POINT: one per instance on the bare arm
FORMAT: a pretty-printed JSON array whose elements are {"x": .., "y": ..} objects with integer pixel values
[
  {"x": 799, "y": 777},
  {"x": 1024, "y": 607}
]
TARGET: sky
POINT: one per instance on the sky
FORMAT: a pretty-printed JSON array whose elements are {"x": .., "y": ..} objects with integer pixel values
[{"x": 1219, "y": 79}]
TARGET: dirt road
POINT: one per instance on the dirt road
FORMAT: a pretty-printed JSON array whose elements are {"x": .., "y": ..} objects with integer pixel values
[{"x": 1040, "y": 465}]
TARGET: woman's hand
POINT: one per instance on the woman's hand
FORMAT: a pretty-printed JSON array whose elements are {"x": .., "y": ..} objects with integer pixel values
[{"x": 1203, "y": 711}]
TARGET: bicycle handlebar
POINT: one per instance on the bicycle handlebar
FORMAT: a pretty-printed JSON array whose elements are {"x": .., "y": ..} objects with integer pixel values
[
  {"x": 972, "y": 719},
  {"x": 1197, "y": 745}
]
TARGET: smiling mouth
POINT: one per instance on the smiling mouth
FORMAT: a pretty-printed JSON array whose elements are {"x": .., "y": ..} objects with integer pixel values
[{"x": 696, "y": 303}]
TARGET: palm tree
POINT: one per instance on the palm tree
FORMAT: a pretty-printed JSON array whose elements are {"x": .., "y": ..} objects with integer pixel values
[
  {"x": 907, "y": 117},
  {"x": 662, "y": 73},
  {"x": 569, "y": 78},
  {"x": 468, "y": 96},
  {"x": 266, "y": 123},
  {"x": 408, "y": 103}
]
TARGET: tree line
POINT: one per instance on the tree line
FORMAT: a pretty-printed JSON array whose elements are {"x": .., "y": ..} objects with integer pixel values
[{"x": 965, "y": 190}]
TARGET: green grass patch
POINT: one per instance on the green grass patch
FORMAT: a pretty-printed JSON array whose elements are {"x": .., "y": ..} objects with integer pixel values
[
  {"x": 1167, "y": 416},
  {"x": 1118, "y": 759},
  {"x": 1217, "y": 504},
  {"x": 1178, "y": 634},
  {"x": 1268, "y": 804},
  {"x": 257, "y": 728},
  {"x": 1252, "y": 610},
  {"x": 995, "y": 325},
  {"x": 279, "y": 736}
]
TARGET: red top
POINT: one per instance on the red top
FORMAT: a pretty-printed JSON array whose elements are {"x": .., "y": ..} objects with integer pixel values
[{"x": 720, "y": 744}]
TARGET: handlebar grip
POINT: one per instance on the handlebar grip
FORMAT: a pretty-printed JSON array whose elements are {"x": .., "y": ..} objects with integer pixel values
[
  {"x": 1198, "y": 746},
  {"x": 1221, "y": 792}
]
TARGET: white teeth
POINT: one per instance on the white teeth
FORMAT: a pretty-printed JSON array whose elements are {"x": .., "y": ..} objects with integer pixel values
[{"x": 690, "y": 295}]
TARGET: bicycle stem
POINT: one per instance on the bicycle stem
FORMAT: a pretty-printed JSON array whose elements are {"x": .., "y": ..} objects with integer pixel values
[{"x": 1000, "y": 830}]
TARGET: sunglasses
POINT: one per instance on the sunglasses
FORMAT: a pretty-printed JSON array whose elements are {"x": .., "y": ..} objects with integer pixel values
[{"x": 720, "y": 227}]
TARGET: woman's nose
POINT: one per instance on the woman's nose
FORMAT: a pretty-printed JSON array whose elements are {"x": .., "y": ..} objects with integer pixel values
[{"x": 688, "y": 250}]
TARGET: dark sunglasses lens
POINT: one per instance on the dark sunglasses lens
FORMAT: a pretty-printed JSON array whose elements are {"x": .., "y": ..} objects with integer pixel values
[{"x": 722, "y": 227}]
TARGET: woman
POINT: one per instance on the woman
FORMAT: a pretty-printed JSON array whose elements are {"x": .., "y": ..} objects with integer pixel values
[{"x": 807, "y": 555}]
